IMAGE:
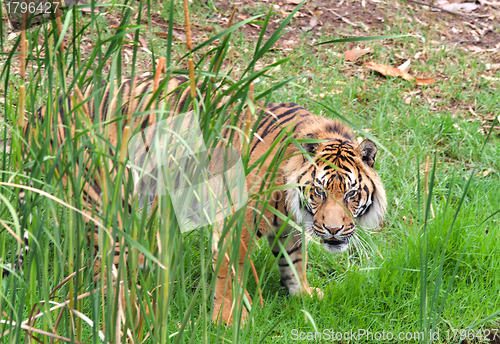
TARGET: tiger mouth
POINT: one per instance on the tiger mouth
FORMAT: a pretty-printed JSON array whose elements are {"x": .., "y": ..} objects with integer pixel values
[{"x": 335, "y": 242}]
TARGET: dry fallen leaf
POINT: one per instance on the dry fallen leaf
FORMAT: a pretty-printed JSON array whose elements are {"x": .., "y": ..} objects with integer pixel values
[
  {"x": 143, "y": 42},
  {"x": 405, "y": 67},
  {"x": 293, "y": 2},
  {"x": 312, "y": 24},
  {"x": 485, "y": 173},
  {"x": 464, "y": 7},
  {"x": 424, "y": 81},
  {"x": 474, "y": 48},
  {"x": 89, "y": 10},
  {"x": 491, "y": 3},
  {"x": 353, "y": 55},
  {"x": 490, "y": 78},
  {"x": 161, "y": 34},
  {"x": 242, "y": 17},
  {"x": 388, "y": 70},
  {"x": 179, "y": 35},
  {"x": 392, "y": 71}
]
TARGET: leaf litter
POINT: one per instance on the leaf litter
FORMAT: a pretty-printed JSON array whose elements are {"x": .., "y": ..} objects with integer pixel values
[{"x": 396, "y": 72}]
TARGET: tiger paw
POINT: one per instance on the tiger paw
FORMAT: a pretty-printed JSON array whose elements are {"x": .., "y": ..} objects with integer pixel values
[{"x": 314, "y": 292}]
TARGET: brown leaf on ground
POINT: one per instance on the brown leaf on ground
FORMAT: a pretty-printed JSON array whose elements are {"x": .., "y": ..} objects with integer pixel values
[
  {"x": 353, "y": 55},
  {"x": 175, "y": 34},
  {"x": 405, "y": 66},
  {"x": 464, "y": 7},
  {"x": 388, "y": 70},
  {"x": 293, "y": 2},
  {"x": 89, "y": 10},
  {"x": 474, "y": 49},
  {"x": 143, "y": 42},
  {"x": 312, "y": 24},
  {"x": 485, "y": 173},
  {"x": 242, "y": 17},
  {"x": 392, "y": 71},
  {"x": 424, "y": 81},
  {"x": 161, "y": 34}
]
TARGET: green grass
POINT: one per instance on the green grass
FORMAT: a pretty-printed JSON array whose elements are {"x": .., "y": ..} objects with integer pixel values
[{"x": 386, "y": 291}]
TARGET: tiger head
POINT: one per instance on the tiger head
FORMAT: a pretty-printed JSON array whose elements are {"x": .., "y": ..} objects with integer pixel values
[{"x": 340, "y": 190}]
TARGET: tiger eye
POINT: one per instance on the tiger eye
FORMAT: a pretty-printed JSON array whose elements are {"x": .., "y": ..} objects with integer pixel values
[{"x": 351, "y": 194}]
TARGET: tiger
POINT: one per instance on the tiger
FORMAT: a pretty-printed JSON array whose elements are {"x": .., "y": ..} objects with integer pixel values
[{"x": 332, "y": 185}]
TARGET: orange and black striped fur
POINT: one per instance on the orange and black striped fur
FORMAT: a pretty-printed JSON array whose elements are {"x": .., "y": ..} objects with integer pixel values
[
  {"x": 115, "y": 102},
  {"x": 339, "y": 189}
]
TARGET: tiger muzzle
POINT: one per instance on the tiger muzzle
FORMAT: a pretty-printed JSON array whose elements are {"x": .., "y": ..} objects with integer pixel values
[
  {"x": 335, "y": 231},
  {"x": 338, "y": 234}
]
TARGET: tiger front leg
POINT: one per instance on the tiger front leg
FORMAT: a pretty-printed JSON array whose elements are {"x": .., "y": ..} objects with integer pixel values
[
  {"x": 293, "y": 247},
  {"x": 225, "y": 305}
]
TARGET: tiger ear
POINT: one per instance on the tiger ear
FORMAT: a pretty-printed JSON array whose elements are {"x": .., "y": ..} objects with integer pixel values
[
  {"x": 310, "y": 147},
  {"x": 368, "y": 150}
]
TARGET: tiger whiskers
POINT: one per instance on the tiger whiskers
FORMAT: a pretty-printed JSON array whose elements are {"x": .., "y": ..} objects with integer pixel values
[
  {"x": 308, "y": 233},
  {"x": 362, "y": 247}
]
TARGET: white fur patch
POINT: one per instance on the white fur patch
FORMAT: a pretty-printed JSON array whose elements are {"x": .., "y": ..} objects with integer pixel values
[
  {"x": 335, "y": 248},
  {"x": 299, "y": 215},
  {"x": 375, "y": 214}
]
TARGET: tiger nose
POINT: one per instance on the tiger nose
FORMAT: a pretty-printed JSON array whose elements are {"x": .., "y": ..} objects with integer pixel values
[{"x": 335, "y": 230}]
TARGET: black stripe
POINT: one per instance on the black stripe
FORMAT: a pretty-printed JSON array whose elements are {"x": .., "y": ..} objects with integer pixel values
[
  {"x": 274, "y": 106},
  {"x": 40, "y": 115},
  {"x": 287, "y": 119},
  {"x": 284, "y": 136},
  {"x": 125, "y": 93},
  {"x": 173, "y": 97},
  {"x": 281, "y": 119},
  {"x": 183, "y": 102},
  {"x": 274, "y": 122},
  {"x": 104, "y": 106},
  {"x": 262, "y": 123},
  {"x": 293, "y": 250},
  {"x": 275, "y": 218},
  {"x": 300, "y": 177},
  {"x": 181, "y": 79}
]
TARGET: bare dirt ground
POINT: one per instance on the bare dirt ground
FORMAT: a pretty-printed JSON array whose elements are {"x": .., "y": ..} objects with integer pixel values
[
  {"x": 475, "y": 32},
  {"x": 369, "y": 17}
]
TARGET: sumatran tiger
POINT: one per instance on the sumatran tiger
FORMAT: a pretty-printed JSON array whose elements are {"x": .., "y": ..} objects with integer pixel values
[{"x": 333, "y": 185}]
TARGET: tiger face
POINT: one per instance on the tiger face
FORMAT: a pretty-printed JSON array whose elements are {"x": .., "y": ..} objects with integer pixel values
[{"x": 340, "y": 191}]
